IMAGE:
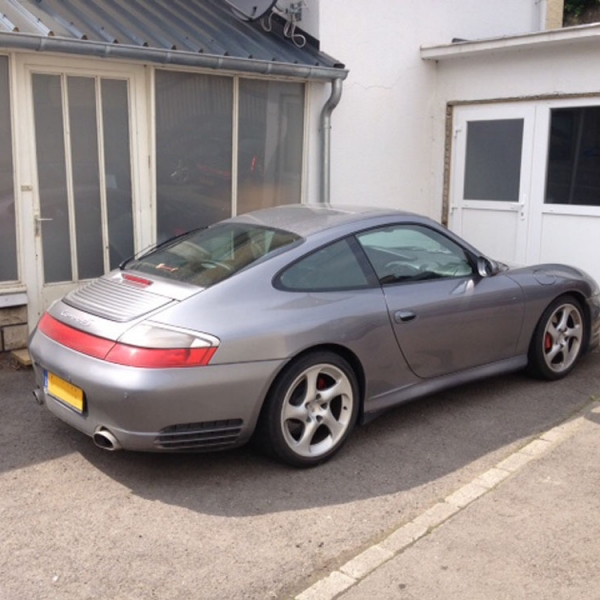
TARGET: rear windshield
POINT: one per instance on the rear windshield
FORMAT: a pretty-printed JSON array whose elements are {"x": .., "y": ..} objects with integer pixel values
[{"x": 208, "y": 256}]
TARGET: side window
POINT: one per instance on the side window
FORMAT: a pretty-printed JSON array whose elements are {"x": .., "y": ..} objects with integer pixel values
[
  {"x": 413, "y": 253},
  {"x": 334, "y": 267}
]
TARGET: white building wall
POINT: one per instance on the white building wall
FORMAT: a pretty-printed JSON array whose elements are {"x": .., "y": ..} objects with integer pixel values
[
  {"x": 384, "y": 129},
  {"x": 562, "y": 70}
]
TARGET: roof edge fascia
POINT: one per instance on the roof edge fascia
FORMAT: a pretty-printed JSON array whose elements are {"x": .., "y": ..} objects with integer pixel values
[
  {"x": 160, "y": 56},
  {"x": 538, "y": 39}
]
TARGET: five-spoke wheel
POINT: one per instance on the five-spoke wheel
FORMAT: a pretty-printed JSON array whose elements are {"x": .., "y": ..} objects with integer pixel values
[
  {"x": 558, "y": 339},
  {"x": 311, "y": 409}
]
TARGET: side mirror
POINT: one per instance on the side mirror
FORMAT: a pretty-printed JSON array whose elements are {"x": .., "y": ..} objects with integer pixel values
[{"x": 487, "y": 267}]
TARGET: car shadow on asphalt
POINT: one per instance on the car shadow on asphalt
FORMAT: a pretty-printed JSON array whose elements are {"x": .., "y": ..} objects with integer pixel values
[{"x": 405, "y": 448}]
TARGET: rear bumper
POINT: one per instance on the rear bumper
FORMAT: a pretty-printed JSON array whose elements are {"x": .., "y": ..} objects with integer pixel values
[{"x": 157, "y": 410}]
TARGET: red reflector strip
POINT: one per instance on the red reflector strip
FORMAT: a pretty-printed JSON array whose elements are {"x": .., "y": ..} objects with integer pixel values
[
  {"x": 160, "y": 358},
  {"x": 73, "y": 338}
]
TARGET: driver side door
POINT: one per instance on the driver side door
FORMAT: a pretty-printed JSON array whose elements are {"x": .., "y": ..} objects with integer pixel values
[{"x": 445, "y": 316}]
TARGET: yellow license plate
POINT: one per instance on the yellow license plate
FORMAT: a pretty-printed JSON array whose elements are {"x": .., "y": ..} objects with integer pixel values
[{"x": 64, "y": 391}]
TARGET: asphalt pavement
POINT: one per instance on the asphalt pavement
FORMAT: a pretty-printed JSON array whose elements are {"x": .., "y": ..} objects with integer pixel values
[
  {"x": 484, "y": 491},
  {"x": 529, "y": 527}
]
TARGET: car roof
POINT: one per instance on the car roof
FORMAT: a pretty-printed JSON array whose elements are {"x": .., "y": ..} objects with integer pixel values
[{"x": 307, "y": 219}]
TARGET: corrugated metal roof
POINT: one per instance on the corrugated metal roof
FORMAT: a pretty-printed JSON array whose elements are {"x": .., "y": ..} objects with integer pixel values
[{"x": 171, "y": 31}]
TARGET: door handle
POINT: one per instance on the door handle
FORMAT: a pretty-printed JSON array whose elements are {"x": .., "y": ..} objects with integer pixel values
[
  {"x": 402, "y": 316},
  {"x": 38, "y": 223}
]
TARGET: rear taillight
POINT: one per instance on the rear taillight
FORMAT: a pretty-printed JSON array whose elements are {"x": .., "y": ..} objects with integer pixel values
[
  {"x": 155, "y": 345},
  {"x": 147, "y": 345},
  {"x": 159, "y": 358}
]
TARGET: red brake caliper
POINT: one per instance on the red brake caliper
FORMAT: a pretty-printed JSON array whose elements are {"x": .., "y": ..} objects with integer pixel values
[
  {"x": 321, "y": 383},
  {"x": 548, "y": 342}
]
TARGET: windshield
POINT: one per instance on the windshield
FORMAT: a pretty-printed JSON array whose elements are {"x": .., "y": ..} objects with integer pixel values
[{"x": 207, "y": 256}]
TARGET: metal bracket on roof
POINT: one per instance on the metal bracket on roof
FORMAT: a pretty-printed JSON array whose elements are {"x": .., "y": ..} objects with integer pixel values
[{"x": 292, "y": 15}]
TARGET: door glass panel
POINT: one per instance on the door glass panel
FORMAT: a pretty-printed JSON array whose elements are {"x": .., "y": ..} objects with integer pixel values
[
  {"x": 52, "y": 179},
  {"x": 97, "y": 199},
  {"x": 86, "y": 181},
  {"x": 117, "y": 165},
  {"x": 271, "y": 128},
  {"x": 413, "y": 253},
  {"x": 194, "y": 125},
  {"x": 8, "y": 243},
  {"x": 493, "y": 160},
  {"x": 573, "y": 172}
]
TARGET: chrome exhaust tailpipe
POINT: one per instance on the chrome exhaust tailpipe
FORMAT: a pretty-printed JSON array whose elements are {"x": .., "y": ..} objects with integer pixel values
[
  {"x": 38, "y": 394},
  {"x": 104, "y": 439}
]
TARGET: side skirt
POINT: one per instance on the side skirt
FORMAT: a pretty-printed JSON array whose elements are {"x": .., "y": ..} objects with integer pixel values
[{"x": 378, "y": 404}]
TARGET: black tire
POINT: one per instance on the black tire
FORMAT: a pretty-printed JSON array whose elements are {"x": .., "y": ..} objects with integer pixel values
[
  {"x": 558, "y": 339},
  {"x": 310, "y": 410}
]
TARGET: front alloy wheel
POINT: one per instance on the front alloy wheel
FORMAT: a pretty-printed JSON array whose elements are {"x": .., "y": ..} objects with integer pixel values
[
  {"x": 558, "y": 340},
  {"x": 311, "y": 410}
]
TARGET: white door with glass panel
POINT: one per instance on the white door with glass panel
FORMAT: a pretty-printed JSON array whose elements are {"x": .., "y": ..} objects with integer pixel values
[
  {"x": 489, "y": 204},
  {"x": 82, "y": 178}
]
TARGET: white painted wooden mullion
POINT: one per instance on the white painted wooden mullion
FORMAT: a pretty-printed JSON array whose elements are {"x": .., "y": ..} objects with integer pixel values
[{"x": 69, "y": 177}]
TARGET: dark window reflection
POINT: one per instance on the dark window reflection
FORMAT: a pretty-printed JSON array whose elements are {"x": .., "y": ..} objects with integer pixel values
[
  {"x": 8, "y": 244},
  {"x": 117, "y": 165},
  {"x": 493, "y": 160},
  {"x": 271, "y": 127},
  {"x": 194, "y": 115},
  {"x": 86, "y": 181},
  {"x": 52, "y": 178},
  {"x": 573, "y": 175}
]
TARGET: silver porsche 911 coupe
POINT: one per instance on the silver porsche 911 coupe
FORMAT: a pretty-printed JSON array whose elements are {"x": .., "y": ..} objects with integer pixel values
[{"x": 291, "y": 325}]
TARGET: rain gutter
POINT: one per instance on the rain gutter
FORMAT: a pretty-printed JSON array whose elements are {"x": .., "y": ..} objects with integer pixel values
[
  {"x": 37, "y": 43},
  {"x": 332, "y": 102}
]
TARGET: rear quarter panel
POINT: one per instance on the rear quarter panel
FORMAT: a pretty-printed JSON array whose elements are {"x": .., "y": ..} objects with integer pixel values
[{"x": 256, "y": 322}]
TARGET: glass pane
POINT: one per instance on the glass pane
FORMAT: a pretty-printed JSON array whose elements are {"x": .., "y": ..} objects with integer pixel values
[
  {"x": 332, "y": 268},
  {"x": 211, "y": 255},
  {"x": 271, "y": 128},
  {"x": 117, "y": 165},
  {"x": 52, "y": 180},
  {"x": 86, "y": 181},
  {"x": 8, "y": 242},
  {"x": 413, "y": 253},
  {"x": 194, "y": 115},
  {"x": 573, "y": 175},
  {"x": 493, "y": 160}
]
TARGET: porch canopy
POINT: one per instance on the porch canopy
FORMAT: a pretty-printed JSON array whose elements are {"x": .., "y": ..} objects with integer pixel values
[{"x": 193, "y": 33}]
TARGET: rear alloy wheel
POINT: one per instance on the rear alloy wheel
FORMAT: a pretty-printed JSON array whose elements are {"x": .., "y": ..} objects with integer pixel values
[
  {"x": 558, "y": 339},
  {"x": 311, "y": 410}
]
